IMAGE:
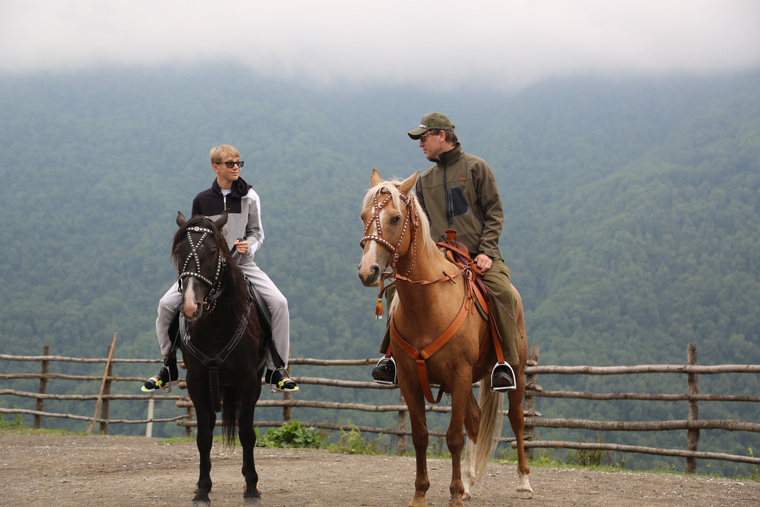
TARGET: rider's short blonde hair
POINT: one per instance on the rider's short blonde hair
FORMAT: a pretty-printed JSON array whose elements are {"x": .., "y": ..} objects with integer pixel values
[{"x": 218, "y": 153}]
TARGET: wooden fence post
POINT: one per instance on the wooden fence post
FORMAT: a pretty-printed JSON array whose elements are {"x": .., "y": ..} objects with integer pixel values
[
  {"x": 287, "y": 412},
  {"x": 403, "y": 418},
  {"x": 692, "y": 437},
  {"x": 43, "y": 386},
  {"x": 105, "y": 408},
  {"x": 190, "y": 415},
  {"x": 530, "y": 399},
  {"x": 103, "y": 384},
  {"x": 149, "y": 425}
]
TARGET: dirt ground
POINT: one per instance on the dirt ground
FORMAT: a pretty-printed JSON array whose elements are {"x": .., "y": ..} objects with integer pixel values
[{"x": 94, "y": 470}]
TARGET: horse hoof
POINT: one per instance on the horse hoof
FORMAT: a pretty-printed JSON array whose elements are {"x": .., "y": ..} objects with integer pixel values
[
  {"x": 524, "y": 494},
  {"x": 466, "y": 496},
  {"x": 201, "y": 503},
  {"x": 252, "y": 501}
]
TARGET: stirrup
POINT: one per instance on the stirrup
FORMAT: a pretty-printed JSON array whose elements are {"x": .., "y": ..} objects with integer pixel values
[
  {"x": 503, "y": 388},
  {"x": 395, "y": 372},
  {"x": 279, "y": 385},
  {"x": 155, "y": 383}
]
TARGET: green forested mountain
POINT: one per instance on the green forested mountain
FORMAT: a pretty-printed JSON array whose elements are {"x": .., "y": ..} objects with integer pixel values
[{"x": 632, "y": 229}]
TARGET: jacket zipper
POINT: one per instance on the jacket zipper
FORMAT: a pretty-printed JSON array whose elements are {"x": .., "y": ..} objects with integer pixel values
[{"x": 447, "y": 200}]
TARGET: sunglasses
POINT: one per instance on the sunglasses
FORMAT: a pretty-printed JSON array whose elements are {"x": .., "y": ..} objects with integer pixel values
[
  {"x": 230, "y": 165},
  {"x": 426, "y": 134}
]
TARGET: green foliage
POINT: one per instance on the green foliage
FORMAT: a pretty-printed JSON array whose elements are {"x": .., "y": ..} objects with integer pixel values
[
  {"x": 756, "y": 475},
  {"x": 593, "y": 457},
  {"x": 290, "y": 435},
  {"x": 17, "y": 422},
  {"x": 352, "y": 442}
]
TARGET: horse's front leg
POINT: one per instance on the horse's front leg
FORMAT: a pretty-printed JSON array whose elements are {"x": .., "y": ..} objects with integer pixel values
[
  {"x": 248, "y": 441},
  {"x": 418, "y": 421},
  {"x": 460, "y": 394},
  {"x": 206, "y": 421}
]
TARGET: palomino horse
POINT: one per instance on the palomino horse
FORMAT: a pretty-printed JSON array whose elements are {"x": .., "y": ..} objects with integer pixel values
[
  {"x": 431, "y": 293},
  {"x": 217, "y": 307}
]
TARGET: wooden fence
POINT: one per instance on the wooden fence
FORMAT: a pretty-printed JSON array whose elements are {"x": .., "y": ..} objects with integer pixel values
[{"x": 533, "y": 419}]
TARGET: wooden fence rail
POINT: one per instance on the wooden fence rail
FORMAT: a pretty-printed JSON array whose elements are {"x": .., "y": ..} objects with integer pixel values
[{"x": 533, "y": 419}]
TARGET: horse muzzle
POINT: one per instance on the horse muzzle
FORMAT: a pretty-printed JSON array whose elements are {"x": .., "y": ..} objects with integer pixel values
[
  {"x": 375, "y": 263},
  {"x": 370, "y": 277},
  {"x": 189, "y": 306}
]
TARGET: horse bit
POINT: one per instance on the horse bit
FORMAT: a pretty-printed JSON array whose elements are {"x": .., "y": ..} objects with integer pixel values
[{"x": 209, "y": 302}]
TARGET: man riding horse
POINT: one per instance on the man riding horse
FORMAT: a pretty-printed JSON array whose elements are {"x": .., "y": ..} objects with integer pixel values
[{"x": 459, "y": 192}]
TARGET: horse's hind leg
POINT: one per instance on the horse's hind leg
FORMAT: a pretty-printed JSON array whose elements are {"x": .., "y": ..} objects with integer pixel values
[
  {"x": 461, "y": 395},
  {"x": 468, "y": 473},
  {"x": 248, "y": 441},
  {"x": 516, "y": 415},
  {"x": 472, "y": 425},
  {"x": 517, "y": 421}
]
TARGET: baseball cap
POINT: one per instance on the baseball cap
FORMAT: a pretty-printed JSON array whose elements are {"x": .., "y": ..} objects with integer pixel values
[{"x": 436, "y": 121}]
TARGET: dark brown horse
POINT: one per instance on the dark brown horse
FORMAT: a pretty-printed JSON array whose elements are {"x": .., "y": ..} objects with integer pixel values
[
  {"x": 222, "y": 345},
  {"x": 431, "y": 293}
]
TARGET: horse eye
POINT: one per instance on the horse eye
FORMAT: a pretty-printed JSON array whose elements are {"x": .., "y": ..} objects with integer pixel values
[{"x": 396, "y": 219}]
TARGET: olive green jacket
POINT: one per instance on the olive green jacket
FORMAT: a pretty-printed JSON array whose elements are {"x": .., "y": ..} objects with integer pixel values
[{"x": 459, "y": 192}]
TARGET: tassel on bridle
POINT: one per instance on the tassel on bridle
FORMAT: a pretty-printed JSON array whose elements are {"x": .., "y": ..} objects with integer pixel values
[{"x": 379, "y": 306}]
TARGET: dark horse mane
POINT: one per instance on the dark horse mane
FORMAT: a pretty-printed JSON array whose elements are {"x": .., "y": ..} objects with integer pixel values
[{"x": 233, "y": 278}]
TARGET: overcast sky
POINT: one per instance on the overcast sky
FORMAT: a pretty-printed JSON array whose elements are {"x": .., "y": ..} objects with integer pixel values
[{"x": 499, "y": 44}]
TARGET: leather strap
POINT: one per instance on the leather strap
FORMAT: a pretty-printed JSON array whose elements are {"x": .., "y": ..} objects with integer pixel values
[{"x": 420, "y": 356}]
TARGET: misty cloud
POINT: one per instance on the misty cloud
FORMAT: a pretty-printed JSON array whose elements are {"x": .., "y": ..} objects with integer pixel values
[{"x": 485, "y": 44}]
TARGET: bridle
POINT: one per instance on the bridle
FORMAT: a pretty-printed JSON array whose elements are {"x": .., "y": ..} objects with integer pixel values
[
  {"x": 409, "y": 218},
  {"x": 209, "y": 302}
]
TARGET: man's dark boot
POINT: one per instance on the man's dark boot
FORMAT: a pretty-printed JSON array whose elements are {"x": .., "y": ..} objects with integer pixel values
[
  {"x": 503, "y": 377},
  {"x": 385, "y": 372}
]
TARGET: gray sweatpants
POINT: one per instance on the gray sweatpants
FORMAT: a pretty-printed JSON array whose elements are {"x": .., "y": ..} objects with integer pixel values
[{"x": 278, "y": 308}]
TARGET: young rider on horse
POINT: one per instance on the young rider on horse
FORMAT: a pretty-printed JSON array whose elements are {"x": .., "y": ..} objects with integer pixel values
[
  {"x": 459, "y": 192},
  {"x": 244, "y": 234}
]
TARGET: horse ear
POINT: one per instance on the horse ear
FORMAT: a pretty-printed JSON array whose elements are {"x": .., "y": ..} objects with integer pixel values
[
  {"x": 219, "y": 223},
  {"x": 407, "y": 185},
  {"x": 375, "y": 178},
  {"x": 181, "y": 220}
]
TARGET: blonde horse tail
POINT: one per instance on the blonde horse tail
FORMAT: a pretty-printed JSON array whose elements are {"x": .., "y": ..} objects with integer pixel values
[{"x": 491, "y": 420}]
